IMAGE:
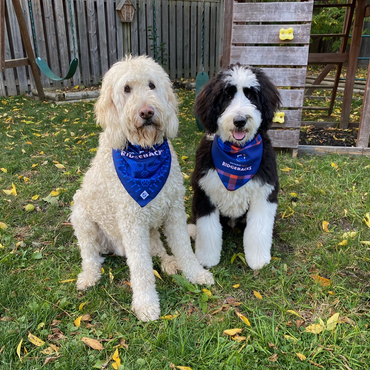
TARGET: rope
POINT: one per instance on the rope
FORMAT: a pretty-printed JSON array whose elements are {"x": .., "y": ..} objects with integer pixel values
[{"x": 33, "y": 28}]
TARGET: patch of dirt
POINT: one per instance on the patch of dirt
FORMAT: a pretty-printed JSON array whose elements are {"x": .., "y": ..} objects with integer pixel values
[{"x": 330, "y": 136}]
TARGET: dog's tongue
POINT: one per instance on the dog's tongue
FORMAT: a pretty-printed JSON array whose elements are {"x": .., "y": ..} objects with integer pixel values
[{"x": 239, "y": 135}]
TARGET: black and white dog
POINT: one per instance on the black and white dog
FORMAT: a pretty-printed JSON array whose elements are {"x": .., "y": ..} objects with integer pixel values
[{"x": 235, "y": 173}]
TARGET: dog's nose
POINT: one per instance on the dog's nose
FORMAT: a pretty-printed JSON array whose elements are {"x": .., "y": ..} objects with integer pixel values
[
  {"x": 146, "y": 112},
  {"x": 239, "y": 122}
]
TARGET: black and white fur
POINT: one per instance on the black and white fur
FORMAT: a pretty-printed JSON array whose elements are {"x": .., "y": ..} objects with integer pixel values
[{"x": 239, "y": 101}]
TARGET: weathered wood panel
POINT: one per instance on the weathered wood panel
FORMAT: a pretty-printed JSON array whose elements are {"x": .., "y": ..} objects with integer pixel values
[
  {"x": 284, "y": 138},
  {"x": 291, "y": 98},
  {"x": 269, "y": 34},
  {"x": 273, "y": 12},
  {"x": 292, "y": 119},
  {"x": 270, "y": 55},
  {"x": 364, "y": 129},
  {"x": 282, "y": 77}
]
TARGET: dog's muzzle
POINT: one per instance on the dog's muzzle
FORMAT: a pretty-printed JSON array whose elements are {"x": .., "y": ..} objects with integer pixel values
[{"x": 146, "y": 113}]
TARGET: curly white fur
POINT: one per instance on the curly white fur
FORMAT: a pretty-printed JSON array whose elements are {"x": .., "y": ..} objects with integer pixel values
[{"x": 105, "y": 217}]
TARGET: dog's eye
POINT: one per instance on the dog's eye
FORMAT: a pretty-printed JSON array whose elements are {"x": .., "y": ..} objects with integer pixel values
[
  {"x": 230, "y": 91},
  {"x": 127, "y": 89},
  {"x": 249, "y": 93},
  {"x": 151, "y": 86}
]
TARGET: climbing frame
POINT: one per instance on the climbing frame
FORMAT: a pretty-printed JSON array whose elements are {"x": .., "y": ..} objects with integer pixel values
[{"x": 260, "y": 34}]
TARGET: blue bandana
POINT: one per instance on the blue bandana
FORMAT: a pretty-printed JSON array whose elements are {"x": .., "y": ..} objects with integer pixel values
[
  {"x": 236, "y": 165},
  {"x": 143, "y": 172}
]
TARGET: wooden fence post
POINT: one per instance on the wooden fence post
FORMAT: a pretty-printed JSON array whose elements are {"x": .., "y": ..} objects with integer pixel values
[{"x": 364, "y": 129}]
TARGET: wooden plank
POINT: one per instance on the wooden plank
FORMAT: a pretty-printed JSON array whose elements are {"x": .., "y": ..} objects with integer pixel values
[
  {"x": 284, "y": 138},
  {"x": 291, "y": 98},
  {"x": 212, "y": 39},
  {"x": 330, "y": 58},
  {"x": 73, "y": 43},
  {"x": 159, "y": 29},
  {"x": 93, "y": 41},
  {"x": 269, "y": 34},
  {"x": 292, "y": 119},
  {"x": 165, "y": 31},
  {"x": 150, "y": 23},
  {"x": 227, "y": 32},
  {"x": 172, "y": 40},
  {"x": 18, "y": 52},
  {"x": 186, "y": 57},
  {"x": 179, "y": 39},
  {"x": 352, "y": 62},
  {"x": 142, "y": 27},
  {"x": 9, "y": 74},
  {"x": 293, "y": 77},
  {"x": 103, "y": 39},
  {"x": 2, "y": 39},
  {"x": 207, "y": 11},
  {"x": 193, "y": 39},
  {"x": 84, "y": 56},
  {"x": 134, "y": 31},
  {"x": 219, "y": 25},
  {"x": 16, "y": 62},
  {"x": 364, "y": 129},
  {"x": 321, "y": 150},
  {"x": 273, "y": 12},
  {"x": 112, "y": 33},
  {"x": 270, "y": 55}
]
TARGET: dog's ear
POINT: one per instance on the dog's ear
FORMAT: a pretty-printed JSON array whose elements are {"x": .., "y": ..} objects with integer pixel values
[
  {"x": 208, "y": 104},
  {"x": 106, "y": 113},
  {"x": 172, "y": 122},
  {"x": 268, "y": 99}
]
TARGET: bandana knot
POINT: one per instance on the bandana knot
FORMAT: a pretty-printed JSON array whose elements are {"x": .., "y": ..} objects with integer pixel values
[
  {"x": 143, "y": 172},
  {"x": 235, "y": 165}
]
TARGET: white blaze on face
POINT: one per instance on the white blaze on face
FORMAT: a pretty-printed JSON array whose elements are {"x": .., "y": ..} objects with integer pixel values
[{"x": 240, "y": 106}]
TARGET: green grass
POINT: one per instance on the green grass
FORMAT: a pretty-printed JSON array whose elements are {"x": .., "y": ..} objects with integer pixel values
[{"x": 39, "y": 255}]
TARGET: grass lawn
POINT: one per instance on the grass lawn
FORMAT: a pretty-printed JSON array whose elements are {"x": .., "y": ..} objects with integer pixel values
[{"x": 308, "y": 309}]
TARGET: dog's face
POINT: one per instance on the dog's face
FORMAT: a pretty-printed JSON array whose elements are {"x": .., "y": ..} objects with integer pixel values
[
  {"x": 137, "y": 104},
  {"x": 237, "y": 104}
]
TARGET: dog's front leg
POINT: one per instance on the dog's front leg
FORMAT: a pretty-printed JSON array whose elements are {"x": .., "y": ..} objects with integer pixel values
[
  {"x": 258, "y": 232},
  {"x": 145, "y": 301},
  {"x": 179, "y": 241}
]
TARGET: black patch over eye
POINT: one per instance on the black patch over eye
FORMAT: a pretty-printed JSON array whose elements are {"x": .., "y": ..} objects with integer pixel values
[
  {"x": 249, "y": 93},
  {"x": 127, "y": 89},
  {"x": 151, "y": 86},
  {"x": 230, "y": 91}
]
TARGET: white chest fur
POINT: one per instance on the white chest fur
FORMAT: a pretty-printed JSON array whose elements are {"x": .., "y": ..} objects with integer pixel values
[{"x": 233, "y": 204}]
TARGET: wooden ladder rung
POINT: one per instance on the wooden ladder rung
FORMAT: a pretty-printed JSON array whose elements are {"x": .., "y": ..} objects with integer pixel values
[
  {"x": 315, "y": 108},
  {"x": 319, "y": 86}
]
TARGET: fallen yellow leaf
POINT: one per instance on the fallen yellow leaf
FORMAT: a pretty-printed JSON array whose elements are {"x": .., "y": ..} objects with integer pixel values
[
  {"x": 257, "y": 294},
  {"x": 334, "y": 165},
  {"x": 288, "y": 337},
  {"x": 77, "y": 322},
  {"x": 321, "y": 280},
  {"x": 116, "y": 359},
  {"x": 207, "y": 292},
  {"x": 183, "y": 367},
  {"x": 67, "y": 281},
  {"x": 294, "y": 313},
  {"x": 243, "y": 318},
  {"x": 286, "y": 169},
  {"x": 35, "y": 197},
  {"x": 169, "y": 317},
  {"x": 238, "y": 338},
  {"x": 80, "y": 307},
  {"x": 293, "y": 195},
  {"x": 184, "y": 157},
  {"x": 54, "y": 193},
  {"x": 367, "y": 219},
  {"x": 301, "y": 356},
  {"x": 314, "y": 328},
  {"x": 3, "y": 226},
  {"x": 325, "y": 225},
  {"x": 93, "y": 343},
  {"x": 232, "y": 332},
  {"x": 332, "y": 322},
  {"x": 4, "y": 170},
  {"x": 363, "y": 242},
  {"x": 13, "y": 191},
  {"x": 155, "y": 272},
  {"x": 185, "y": 176},
  {"x": 19, "y": 347},
  {"x": 111, "y": 276},
  {"x": 34, "y": 340},
  {"x": 236, "y": 286},
  {"x": 343, "y": 243},
  {"x": 349, "y": 234},
  {"x": 59, "y": 165}
]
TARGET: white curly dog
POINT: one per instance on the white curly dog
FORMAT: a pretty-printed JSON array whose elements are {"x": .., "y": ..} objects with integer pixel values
[{"x": 137, "y": 111}]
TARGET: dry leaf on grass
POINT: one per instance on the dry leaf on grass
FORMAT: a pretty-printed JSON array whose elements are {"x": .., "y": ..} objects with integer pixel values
[
  {"x": 93, "y": 343},
  {"x": 314, "y": 328},
  {"x": 243, "y": 318},
  {"x": 321, "y": 280},
  {"x": 34, "y": 340},
  {"x": 232, "y": 332},
  {"x": 301, "y": 356}
]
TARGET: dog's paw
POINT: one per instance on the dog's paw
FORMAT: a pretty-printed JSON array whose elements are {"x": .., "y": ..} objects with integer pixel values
[
  {"x": 204, "y": 277},
  {"x": 147, "y": 312},
  {"x": 169, "y": 265},
  {"x": 207, "y": 259},
  {"x": 87, "y": 279},
  {"x": 257, "y": 262}
]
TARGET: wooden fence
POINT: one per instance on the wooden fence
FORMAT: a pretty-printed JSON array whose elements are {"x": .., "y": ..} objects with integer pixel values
[{"x": 101, "y": 39}]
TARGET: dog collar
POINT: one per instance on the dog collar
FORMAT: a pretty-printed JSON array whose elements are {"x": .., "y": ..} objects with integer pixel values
[
  {"x": 236, "y": 165},
  {"x": 143, "y": 172}
]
